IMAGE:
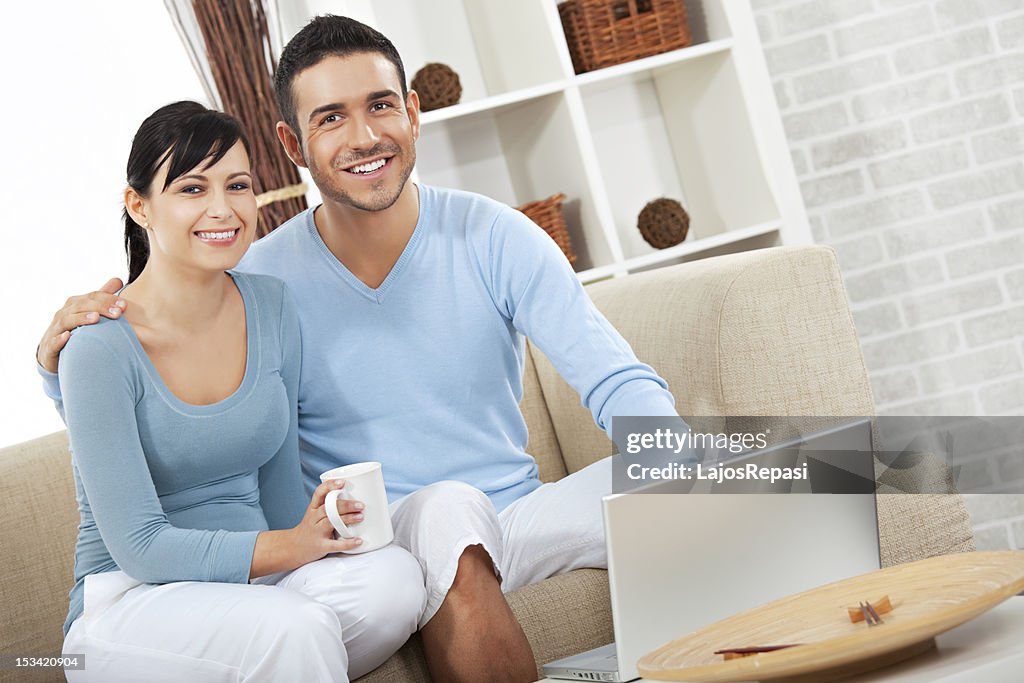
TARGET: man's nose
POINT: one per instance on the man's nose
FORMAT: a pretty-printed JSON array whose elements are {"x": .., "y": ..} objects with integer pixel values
[{"x": 363, "y": 135}]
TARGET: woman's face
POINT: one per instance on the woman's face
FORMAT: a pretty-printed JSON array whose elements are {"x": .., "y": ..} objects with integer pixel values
[{"x": 206, "y": 218}]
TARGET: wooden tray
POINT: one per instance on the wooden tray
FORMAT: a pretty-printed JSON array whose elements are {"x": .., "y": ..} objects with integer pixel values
[{"x": 928, "y": 597}]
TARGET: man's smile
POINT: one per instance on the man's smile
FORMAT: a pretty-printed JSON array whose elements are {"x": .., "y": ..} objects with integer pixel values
[
  {"x": 371, "y": 168},
  {"x": 368, "y": 167}
]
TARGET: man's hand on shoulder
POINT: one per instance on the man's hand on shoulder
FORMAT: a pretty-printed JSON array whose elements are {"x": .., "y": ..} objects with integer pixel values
[{"x": 84, "y": 309}]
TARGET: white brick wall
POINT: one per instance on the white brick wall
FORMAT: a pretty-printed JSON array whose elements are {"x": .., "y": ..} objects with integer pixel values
[{"x": 905, "y": 119}]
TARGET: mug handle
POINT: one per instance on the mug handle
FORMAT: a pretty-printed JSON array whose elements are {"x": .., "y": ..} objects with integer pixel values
[{"x": 331, "y": 504}]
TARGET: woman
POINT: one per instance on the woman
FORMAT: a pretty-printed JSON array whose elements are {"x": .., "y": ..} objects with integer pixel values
[{"x": 182, "y": 418}]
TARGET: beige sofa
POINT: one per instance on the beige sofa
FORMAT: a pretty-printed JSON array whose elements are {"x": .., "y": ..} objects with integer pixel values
[{"x": 766, "y": 332}]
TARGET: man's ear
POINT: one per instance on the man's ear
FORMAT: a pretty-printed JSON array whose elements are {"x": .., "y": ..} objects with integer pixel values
[
  {"x": 412, "y": 106},
  {"x": 290, "y": 142},
  {"x": 135, "y": 204}
]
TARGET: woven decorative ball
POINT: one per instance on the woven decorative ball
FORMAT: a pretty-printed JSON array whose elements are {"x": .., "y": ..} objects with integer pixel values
[
  {"x": 438, "y": 86},
  {"x": 663, "y": 223}
]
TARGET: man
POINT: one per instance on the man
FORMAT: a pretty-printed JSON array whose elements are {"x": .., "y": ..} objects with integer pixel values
[{"x": 414, "y": 302}]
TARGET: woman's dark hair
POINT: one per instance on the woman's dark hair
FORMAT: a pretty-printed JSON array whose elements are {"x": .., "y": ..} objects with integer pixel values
[{"x": 183, "y": 135}]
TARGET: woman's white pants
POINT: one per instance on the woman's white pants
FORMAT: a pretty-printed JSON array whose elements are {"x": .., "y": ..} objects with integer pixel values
[{"x": 330, "y": 620}]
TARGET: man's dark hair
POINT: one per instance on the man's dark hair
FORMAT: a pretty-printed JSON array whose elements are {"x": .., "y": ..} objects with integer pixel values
[{"x": 327, "y": 36}]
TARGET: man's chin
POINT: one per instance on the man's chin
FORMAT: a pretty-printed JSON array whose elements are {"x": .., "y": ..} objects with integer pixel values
[
  {"x": 369, "y": 199},
  {"x": 370, "y": 204}
]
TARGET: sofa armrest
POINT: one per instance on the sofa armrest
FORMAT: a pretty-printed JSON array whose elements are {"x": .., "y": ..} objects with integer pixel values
[{"x": 38, "y": 527}]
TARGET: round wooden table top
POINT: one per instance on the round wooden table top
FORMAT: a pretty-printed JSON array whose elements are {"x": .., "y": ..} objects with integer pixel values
[{"x": 928, "y": 597}]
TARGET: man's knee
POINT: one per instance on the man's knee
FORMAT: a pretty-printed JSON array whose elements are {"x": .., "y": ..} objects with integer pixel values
[
  {"x": 475, "y": 571},
  {"x": 445, "y": 512}
]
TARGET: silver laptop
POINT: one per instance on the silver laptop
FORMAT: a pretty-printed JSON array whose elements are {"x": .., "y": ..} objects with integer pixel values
[{"x": 677, "y": 562}]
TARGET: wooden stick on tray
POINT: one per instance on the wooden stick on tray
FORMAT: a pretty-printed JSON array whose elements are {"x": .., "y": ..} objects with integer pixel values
[
  {"x": 736, "y": 652},
  {"x": 881, "y": 606}
]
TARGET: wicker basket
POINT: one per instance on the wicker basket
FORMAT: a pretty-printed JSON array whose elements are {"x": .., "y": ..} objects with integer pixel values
[
  {"x": 547, "y": 213},
  {"x": 605, "y": 32}
]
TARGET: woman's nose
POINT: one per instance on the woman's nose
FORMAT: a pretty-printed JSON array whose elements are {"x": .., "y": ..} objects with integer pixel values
[{"x": 219, "y": 206}]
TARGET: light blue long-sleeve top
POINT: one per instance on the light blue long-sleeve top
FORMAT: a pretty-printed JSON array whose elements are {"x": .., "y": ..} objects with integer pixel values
[
  {"x": 170, "y": 491},
  {"x": 424, "y": 373}
]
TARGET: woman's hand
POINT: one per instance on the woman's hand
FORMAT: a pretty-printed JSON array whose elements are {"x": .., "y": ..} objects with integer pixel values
[
  {"x": 308, "y": 541},
  {"x": 314, "y": 535}
]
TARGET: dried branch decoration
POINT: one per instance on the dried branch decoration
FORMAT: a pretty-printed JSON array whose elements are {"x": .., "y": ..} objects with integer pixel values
[{"x": 235, "y": 36}]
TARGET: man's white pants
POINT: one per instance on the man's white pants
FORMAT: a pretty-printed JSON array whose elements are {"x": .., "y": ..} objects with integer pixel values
[
  {"x": 551, "y": 530},
  {"x": 326, "y": 621}
]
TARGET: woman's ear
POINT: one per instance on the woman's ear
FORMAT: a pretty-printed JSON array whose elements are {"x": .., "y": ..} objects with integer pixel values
[{"x": 136, "y": 206}]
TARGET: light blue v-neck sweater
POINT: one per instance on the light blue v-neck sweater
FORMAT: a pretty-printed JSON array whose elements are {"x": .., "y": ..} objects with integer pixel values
[{"x": 424, "y": 373}]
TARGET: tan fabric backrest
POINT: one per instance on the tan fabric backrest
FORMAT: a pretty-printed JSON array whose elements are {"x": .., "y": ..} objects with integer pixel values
[
  {"x": 543, "y": 445},
  {"x": 756, "y": 333},
  {"x": 38, "y": 527}
]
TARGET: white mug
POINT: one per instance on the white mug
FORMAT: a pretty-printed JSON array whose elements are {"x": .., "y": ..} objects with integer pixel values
[{"x": 364, "y": 482}]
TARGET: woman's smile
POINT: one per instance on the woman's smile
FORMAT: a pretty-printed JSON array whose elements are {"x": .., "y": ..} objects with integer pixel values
[{"x": 218, "y": 238}]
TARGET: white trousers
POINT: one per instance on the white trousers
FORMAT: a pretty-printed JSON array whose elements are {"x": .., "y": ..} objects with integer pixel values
[
  {"x": 326, "y": 621},
  {"x": 552, "y": 530}
]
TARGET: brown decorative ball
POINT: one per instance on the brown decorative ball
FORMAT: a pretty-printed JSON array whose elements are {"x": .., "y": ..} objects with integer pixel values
[
  {"x": 437, "y": 85},
  {"x": 663, "y": 223}
]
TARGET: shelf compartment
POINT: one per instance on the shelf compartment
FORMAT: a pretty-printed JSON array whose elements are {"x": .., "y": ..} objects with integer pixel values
[
  {"x": 657, "y": 61},
  {"x": 690, "y": 250},
  {"x": 707, "y": 19},
  {"x": 482, "y": 40},
  {"x": 679, "y": 130},
  {"x": 518, "y": 153},
  {"x": 493, "y": 102},
  {"x": 610, "y": 73},
  {"x": 750, "y": 237}
]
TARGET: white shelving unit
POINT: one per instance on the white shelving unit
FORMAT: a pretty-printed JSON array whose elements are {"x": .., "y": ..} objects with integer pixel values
[{"x": 699, "y": 125}]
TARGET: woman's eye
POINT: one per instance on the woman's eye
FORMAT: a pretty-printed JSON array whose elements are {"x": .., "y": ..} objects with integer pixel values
[
  {"x": 239, "y": 187},
  {"x": 191, "y": 189}
]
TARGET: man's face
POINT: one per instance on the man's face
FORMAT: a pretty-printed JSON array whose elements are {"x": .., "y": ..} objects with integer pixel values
[{"x": 358, "y": 135}]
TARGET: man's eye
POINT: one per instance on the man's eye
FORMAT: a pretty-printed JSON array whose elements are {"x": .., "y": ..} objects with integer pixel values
[
  {"x": 380, "y": 106},
  {"x": 329, "y": 119}
]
